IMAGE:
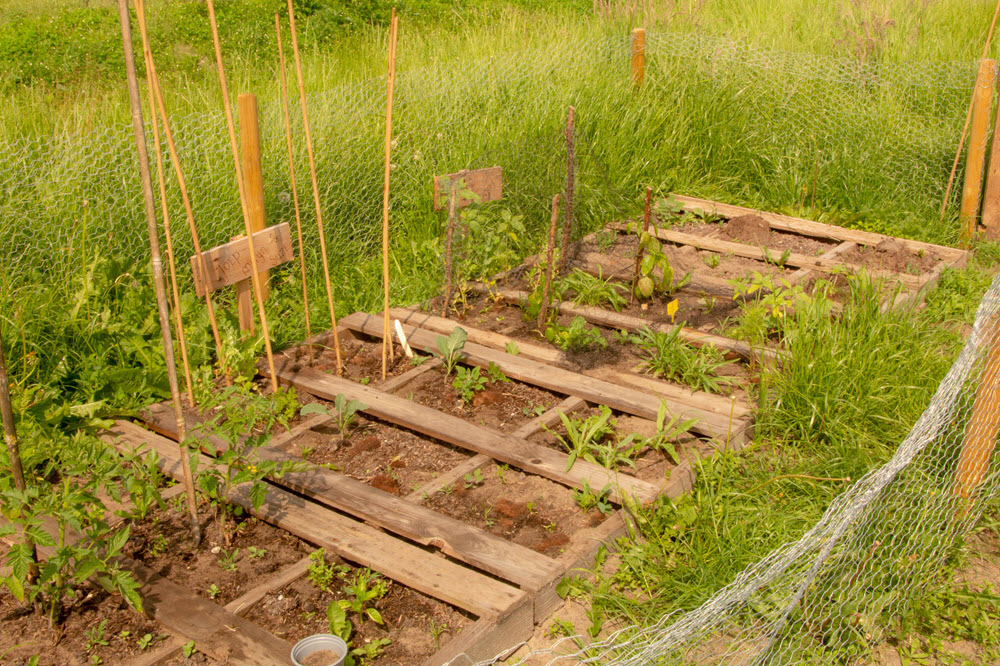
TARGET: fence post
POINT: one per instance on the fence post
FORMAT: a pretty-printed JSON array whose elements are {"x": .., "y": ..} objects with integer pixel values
[
  {"x": 638, "y": 56},
  {"x": 991, "y": 195},
  {"x": 976, "y": 158},
  {"x": 984, "y": 422},
  {"x": 253, "y": 180}
]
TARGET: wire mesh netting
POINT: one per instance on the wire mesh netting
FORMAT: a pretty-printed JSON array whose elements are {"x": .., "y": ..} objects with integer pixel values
[{"x": 831, "y": 595}]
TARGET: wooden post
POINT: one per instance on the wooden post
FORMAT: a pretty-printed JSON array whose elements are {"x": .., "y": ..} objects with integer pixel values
[
  {"x": 449, "y": 239},
  {"x": 543, "y": 307},
  {"x": 991, "y": 195},
  {"x": 978, "y": 136},
  {"x": 154, "y": 250},
  {"x": 638, "y": 56},
  {"x": 570, "y": 185},
  {"x": 387, "y": 350},
  {"x": 253, "y": 178},
  {"x": 984, "y": 423}
]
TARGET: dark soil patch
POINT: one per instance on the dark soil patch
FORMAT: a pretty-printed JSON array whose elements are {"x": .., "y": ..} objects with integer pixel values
[
  {"x": 362, "y": 359},
  {"x": 299, "y": 610}
]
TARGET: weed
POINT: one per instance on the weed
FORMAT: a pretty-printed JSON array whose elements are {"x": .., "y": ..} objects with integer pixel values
[
  {"x": 228, "y": 559},
  {"x": 95, "y": 635},
  {"x": 583, "y": 434},
  {"x": 468, "y": 383},
  {"x": 587, "y": 499},
  {"x": 502, "y": 469},
  {"x": 436, "y": 631},
  {"x": 145, "y": 641},
  {"x": 417, "y": 360},
  {"x": 488, "y": 517},
  {"x": 667, "y": 355},
  {"x": 590, "y": 290},
  {"x": 780, "y": 261},
  {"x": 255, "y": 553},
  {"x": 213, "y": 591},
  {"x": 473, "y": 479},
  {"x": 712, "y": 260},
  {"x": 322, "y": 574},
  {"x": 512, "y": 348},
  {"x": 450, "y": 348},
  {"x": 344, "y": 411},
  {"x": 575, "y": 337},
  {"x": 496, "y": 375},
  {"x": 188, "y": 649},
  {"x": 448, "y": 489}
]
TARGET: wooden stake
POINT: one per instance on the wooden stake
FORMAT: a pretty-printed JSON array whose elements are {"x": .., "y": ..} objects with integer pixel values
[
  {"x": 984, "y": 423},
  {"x": 255, "y": 275},
  {"x": 638, "y": 250},
  {"x": 991, "y": 195},
  {"x": 449, "y": 239},
  {"x": 315, "y": 185},
  {"x": 543, "y": 309},
  {"x": 171, "y": 263},
  {"x": 638, "y": 56},
  {"x": 253, "y": 178},
  {"x": 179, "y": 173},
  {"x": 975, "y": 161},
  {"x": 295, "y": 190},
  {"x": 386, "y": 337},
  {"x": 570, "y": 184},
  {"x": 968, "y": 117},
  {"x": 154, "y": 250}
]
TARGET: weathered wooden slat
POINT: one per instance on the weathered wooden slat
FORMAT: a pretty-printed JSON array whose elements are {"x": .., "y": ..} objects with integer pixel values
[
  {"x": 631, "y": 401},
  {"x": 487, "y": 637},
  {"x": 525, "y": 455},
  {"x": 354, "y": 541},
  {"x": 606, "y": 266},
  {"x": 228, "y": 264},
  {"x": 815, "y": 229},
  {"x": 464, "y": 542},
  {"x": 829, "y": 255}
]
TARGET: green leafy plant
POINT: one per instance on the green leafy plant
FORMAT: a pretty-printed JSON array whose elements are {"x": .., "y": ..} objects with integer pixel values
[
  {"x": 587, "y": 499},
  {"x": 450, "y": 348},
  {"x": 575, "y": 337},
  {"x": 668, "y": 429},
  {"x": 780, "y": 261},
  {"x": 582, "y": 434},
  {"x": 512, "y": 348},
  {"x": 95, "y": 635},
  {"x": 188, "y": 649},
  {"x": 667, "y": 355},
  {"x": 255, "y": 553},
  {"x": 468, "y": 382},
  {"x": 323, "y": 574},
  {"x": 712, "y": 260},
  {"x": 474, "y": 478},
  {"x": 344, "y": 411},
  {"x": 365, "y": 588},
  {"x": 654, "y": 260},
  {"x": 227, "y": 560},
  {"x": 213, "y": 591},
  {"x": 496, "y": 375},
  {"x": 144, "y": 641},
  {"x": 590, "y": 290}
]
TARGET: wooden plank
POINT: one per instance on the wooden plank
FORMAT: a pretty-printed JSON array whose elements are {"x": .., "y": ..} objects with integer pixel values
[
  {"x": 618, "y": 320},
  {"x": 534, "y": 361},
  {"x": 606, "y": 266},
  {"x": 354, "y": 541},
  {"x": 794, "y": 259},
  {"x": 525, "y": 455},
  {"x": 470, "y": 544},
  {"x": 487, "y": 637},
  {"x": 478, "y": 461},
  {"x": 829, "y": 255},
  {"x": 814, "y": 229},
  {"x": 230, "y": 263},
  {"x": 486, "y": 183}
]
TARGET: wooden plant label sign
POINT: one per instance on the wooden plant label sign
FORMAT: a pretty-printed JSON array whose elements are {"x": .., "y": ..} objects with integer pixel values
[
  {"x": 486, "y": 183},
  {"x": 228, "y": 264}
]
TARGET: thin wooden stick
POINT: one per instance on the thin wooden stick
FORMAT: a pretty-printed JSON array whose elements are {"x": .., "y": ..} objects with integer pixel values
[
  {"x": 390, "y": 85},
  {"x": 161, "y": 181},
  {"x": 638, "y": 250},
  {"x": 295, "y": 189},
  {"x": 968, "y": 118},
  {"x": 449, "y": 239},
  {"x": 315, "y": 186},
  {"x": 570, "y": 186},
  {"x": 154, "y": 81},
  {"x": 255, "y": 276},
  {"x": 154, "y": 250},
  {"x": 543, "y": 308}
]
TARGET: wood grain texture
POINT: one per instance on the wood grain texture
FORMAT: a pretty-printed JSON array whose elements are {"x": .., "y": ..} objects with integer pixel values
[{"x": 230, "y": 263}]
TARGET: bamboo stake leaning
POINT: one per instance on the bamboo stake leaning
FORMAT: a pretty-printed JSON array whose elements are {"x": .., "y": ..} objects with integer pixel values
[
  {"x": 570, "y": 185},
  {"x": 171, "y": 263},
  {"x": 390, "y": 85},
  {"x": 255, "y": 274},
  {"x": 315, "y": 185},
  {"x": 295, "y": 189},
  {"x": 543, "y": 308},
  {"x": 154, "y": 81},
  {"x": 449, "y": 239},
  {"x": 638, "y": 250},
  {"x": 154, "y": 250}
]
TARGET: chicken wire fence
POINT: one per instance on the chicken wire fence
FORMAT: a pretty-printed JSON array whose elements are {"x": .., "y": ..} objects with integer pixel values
[{"x": 831, "y": 596}]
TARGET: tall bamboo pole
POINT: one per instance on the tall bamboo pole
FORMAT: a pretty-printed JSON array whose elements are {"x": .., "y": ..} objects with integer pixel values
[
  {"x": 255, "y": 276},
  {"x": 295, "y": 190},
  {"x": 390, "y": 85},
  {"x": 315, "y": 185},
  {"x": 154, "y": 81},
  {"x": 154, "y": 250},
  {"x": 171, "y": 263},
  {"x": 543, "y": 308}
]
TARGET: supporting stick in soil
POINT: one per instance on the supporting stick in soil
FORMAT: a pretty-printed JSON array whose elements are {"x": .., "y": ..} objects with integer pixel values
[
  {"x": 975, "y": 159},
  {"x": 386, "y": 337},
  {"x": 968, "y": 118},
  {"x": 295, "y": 191},
  {"x": 638, "y": 250},
  {"x": 570, "y": 183},
  {"x": 154, "y": 81},
  {"x": 315, "y": 186},
  {"x": 984, "y": 424},
  {"x": 161, "y": 181},
  {"x": 449, "y": 239},
  {"x": 154, "y": 250},
  {"x": 255, "y": 277},
  {"x": 543, "y": 308}
]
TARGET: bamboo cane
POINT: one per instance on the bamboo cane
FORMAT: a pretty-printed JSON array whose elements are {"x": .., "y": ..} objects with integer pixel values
[
  {"x": 171, "y": 263},
  {"x": 390, "y": 85},
  {"x": 449, "y": 239},
  {"x": 543, "y": 309},
  {"x": 638, "y": 250},
  {"x": 315, "y": 185},
  {"x": 570, "y": 186},
  {"x": 295, "y": 190},
  {"x": 154, "y": 250},
  {"x": 154, "y": 81},
  {"x": 255, "y": 276}
]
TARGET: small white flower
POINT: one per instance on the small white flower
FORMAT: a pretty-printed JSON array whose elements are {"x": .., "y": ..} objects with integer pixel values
[
  {"x": 440, "y": 135},
  {"x": 394, "y": 143}
]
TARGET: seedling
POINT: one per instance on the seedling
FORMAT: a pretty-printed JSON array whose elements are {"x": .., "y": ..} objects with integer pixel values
[
  {"x": 780, "y": 262},
  {"x": 587, "y": 499},
  {"x": 575, "y": 337},
  {"x": 256, "y": 553},
  {"x": 450, "y": 348},
  {"x": 667, "y": 356},
  {"x": 537, "y": 410},
  {"x": 448, "y": 489},
  {"x": 474, "y": 479},
  {"x": 468, "y": 383},
  {"x": 228, "y": 560},
  {"x": 583, "y": 434},
  {"x": 416, "y": 361},
  {"x": 487, "y": 517},
  {"x": 145, "y": 641},
  {"x": 590, "y": 290},
  {"x": 188, "y": 649},
  {"x": 436, "y": 631},
  {"x": 496, "y": 374},
  {"x": 213, "y": 591},
  {"x": 512, "y": 348},
  {"x": 323, "y": 574},
  {"x": 344, "y": 411},
  {"x": 95, "y": 636},
  {"x": 712, "y": 260},
  {"x": 502, "y": 470},
  {"x": 654, "y": 259}
]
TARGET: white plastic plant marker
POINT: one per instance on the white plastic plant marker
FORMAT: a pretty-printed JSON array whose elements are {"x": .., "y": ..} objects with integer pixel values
[{"x": 402, "y": 338}]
